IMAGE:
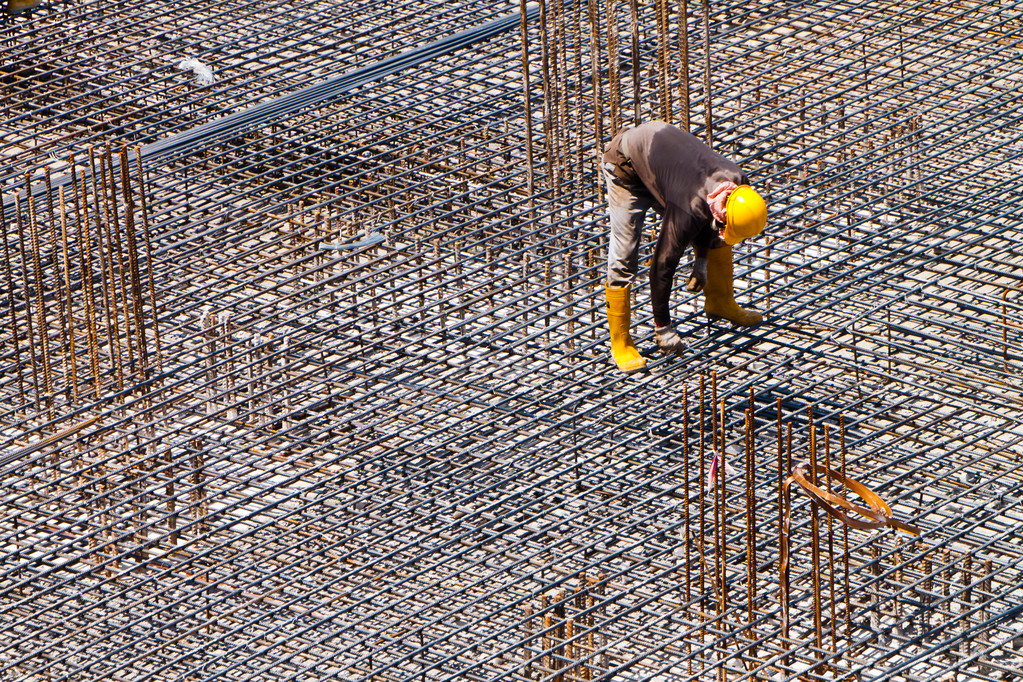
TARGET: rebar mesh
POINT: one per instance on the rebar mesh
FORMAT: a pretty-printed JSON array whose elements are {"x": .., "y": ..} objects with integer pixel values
[{"x": 306, "y": 370}]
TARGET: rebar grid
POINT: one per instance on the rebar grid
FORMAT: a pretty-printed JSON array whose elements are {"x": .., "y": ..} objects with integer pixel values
[{"x": 230, "y": 453}]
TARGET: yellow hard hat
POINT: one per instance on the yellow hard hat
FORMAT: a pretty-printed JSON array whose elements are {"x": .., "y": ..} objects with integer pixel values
[{"x": 745, "y": 215}]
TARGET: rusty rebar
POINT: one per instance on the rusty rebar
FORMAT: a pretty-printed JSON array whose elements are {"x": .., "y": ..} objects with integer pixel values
[
  {"x": 815, "y": 566},
  {"x": 71, "y": 372},
  {"x": 27, "y": 300},
  {"x": 9, "y": 285},
  {"x": 154, "y": 311},
  {"x": 708, "y": 124}
]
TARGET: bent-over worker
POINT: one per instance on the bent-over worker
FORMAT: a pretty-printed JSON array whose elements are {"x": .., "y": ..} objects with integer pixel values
[{"x": 704, "y": 200}]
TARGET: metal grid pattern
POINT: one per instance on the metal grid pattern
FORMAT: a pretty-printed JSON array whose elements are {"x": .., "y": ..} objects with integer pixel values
[{"x": 232, "y": 453}]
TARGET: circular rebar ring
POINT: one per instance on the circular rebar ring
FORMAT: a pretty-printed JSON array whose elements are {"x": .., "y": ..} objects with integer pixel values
[{"x": 879, "y": 515}]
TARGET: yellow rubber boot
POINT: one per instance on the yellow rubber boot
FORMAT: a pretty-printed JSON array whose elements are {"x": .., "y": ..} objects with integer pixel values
[
  {"x": 619, "y": 319},
  {"x": 719, "y": 297}
]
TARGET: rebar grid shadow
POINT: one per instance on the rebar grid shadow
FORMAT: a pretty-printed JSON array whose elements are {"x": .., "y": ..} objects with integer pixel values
[{"x": 398, "y": 461}]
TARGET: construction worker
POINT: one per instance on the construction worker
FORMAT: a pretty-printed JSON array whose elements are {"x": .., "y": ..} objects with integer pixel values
[{"x": 703, "y": 199}]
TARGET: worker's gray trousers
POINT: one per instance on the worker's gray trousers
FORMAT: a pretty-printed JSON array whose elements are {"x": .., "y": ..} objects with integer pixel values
[{"x": 626, "y": 212}]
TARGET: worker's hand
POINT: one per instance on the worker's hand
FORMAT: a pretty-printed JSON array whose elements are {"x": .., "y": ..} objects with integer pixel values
[
  {"x": 668, "y": 339},
  {"x": 698, "y": 277}
]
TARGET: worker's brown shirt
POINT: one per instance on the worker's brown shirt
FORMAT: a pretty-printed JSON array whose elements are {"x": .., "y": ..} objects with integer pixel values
[{"x": 678, "y": 172}]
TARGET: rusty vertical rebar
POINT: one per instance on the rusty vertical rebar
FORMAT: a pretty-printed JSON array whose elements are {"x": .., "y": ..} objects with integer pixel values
[
  {"x": 41, "y": 321},
  {"x": 549, "y": 106},
  {"x": 661, "y": 8},
  {"x": 113, "y": 344},
  {"x": 780, "y": 466},
  {"x": 252, "y": 368},
  {"x": 569, "y": 311},
  {"x": 946, "y": 574},
  {"x": 72, "y": 371},
  {"x": 561, "y": 89},
  {"x": 591, "y": 270},
  {"x": 9, "y": 285},
  {"x": 968, "y": 577},
  {"x": 888, "y": 313},
  {"x": 576, "y": 142},
  {"x": 459, "y": 280},
  {"x": 714, "y": 445},
  {"x": 614, "y": 72},
  {"x": 637, "y": 99},
  {"x": 751, "y": 522},
  {"x": 527, "y": 612},
  {"x": 102, "y": 517},
  {"x": 701, "y": 486},
  {"x": 558, "y": 652},
  {"x": 986, "y": 588},
  {"x": 783, "y": 574},
  {"x": 720, "y": 535},
  {"x": 16, "y": 556},
  {"x": 421, "y": 276},
  {"x": 118, "y": 253},
  {"x": 815, "y": 556},
  {"x": 898, "y": 576},
  {"x": 598, "y": 95},
  {"x": 27, "y": 298},
  {"x": 591, "y": 605},
  {"x": 591, "y": 640},
  {"x": 708, "y": 120},
  {"x": 439, "y": 277},
  {"x": 550, "y": 21},
  {"x": 687, "y": 533},
  {"x": 788, "y": 448},
  {"x": 140, "y": 183},
  {"x": 208, "y": 324},
  {"x": 88, "y": 284},
  {"x": 722, "y": 514},
  {"x": 927, "y": 585},
  {"x": 58, "y": 285},
  {"x": 874, "y": 585},
  {"x": 831, "y": 539},
  {"x": 133, "y": 265},
  {"x": 573, "y": 671},
  {"x": 782, "y": 535},
  {"x": 856, "y": 361},
  {"x": 967, "y": 603},
  {"x": 545, "y": 637},
  {"x": 198, "y": 496},
  {"x": 547, "y": 306},
  {"x": 526, "y": 263},
  {"x": 488, "y": 257},
  {"x": 602, "y": 593},
  {"x": 845, "y": 538},
  {"x": 115, "y": 259},
  {"x": 527, "y": 103},
  {"x": 683, "y": 39},
  {"x": 1005, "y": 331}
]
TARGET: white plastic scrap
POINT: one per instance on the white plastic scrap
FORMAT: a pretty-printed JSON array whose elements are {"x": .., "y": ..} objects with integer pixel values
[
  {"x": 715, "y": 459},
  {"x": 203, "y": 74}
]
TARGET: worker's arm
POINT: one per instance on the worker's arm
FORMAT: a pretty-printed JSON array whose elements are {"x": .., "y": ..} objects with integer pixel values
[
  {"x": 706, "y": 241},
  {"x": 675, "y": 236},
  {"x": 667, "y": 254}
]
